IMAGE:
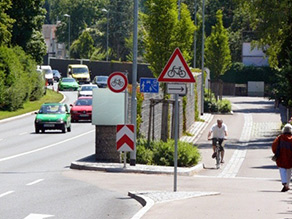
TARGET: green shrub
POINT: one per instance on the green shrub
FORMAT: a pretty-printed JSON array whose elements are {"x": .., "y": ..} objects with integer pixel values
[
  {"x": 224, "y": 106},
  {"x": 19, "y": 80},
  {"x": 162, "y": 153}
]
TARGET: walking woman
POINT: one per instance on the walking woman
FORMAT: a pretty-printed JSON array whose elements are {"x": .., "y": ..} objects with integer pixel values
[{"x": 282, "y": 148}]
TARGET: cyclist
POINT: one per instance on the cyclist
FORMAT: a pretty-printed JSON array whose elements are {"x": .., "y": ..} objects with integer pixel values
[{"x": 219, "y": 130}]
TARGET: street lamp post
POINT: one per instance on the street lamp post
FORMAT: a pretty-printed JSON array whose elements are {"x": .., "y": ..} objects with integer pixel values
[
  {"x": 68, "y": 16},
  {"x": 107, "y": 14}
]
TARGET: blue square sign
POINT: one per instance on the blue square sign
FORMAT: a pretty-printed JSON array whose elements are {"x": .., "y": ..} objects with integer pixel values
[{"x": 149, "y": 85}]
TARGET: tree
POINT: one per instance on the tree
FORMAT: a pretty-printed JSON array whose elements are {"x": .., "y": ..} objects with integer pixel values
[
  {"x": 83, "y": 14},
  {"x": 29, "y": 15},
  {"x": 83, "y": 47},
  {"x": 160, "y": 22},
  {"x": 120, "y": 27},
  {"x": 5, "y": 23},
  {"x": 164, "y": 33},
  {"x": 217, "y": 52},
  {"x": 271, "y": 22}
]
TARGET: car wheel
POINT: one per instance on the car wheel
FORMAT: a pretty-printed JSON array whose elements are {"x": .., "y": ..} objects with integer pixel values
[
  {"x": 69, "y": 129},
  {"x": 64, "y": 129},
  {"x": 37, "y": 130}
]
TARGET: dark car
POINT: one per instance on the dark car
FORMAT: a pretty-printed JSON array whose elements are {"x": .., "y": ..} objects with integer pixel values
[
  {"x": 56, "y": 75},
  {"x": 101, "y": 81}
]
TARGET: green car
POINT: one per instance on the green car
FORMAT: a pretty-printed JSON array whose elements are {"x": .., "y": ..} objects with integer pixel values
[
  {"x": 68, "y": 84},
  {"x": 52, "y": 116}
]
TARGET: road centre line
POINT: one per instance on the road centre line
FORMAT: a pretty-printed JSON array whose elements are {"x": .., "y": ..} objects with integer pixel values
[
  {"x": 34, "y": 182},
  {"x": 5, "y": 193},
  {"x": 45, "y": 147}
]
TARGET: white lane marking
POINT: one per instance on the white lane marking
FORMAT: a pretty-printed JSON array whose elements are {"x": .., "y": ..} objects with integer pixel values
[
  {"x": 234, "y": 164},
  {"x": 23, "y": 133},
  {"x": 34, "y": 182},
  {"x": 38, "y": 216},
  {"x": 45, "y": 147},
  {"x": 5, "y": 193}
]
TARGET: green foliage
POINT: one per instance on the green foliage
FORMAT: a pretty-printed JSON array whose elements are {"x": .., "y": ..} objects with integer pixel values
[
  {"x": 211, "y": 105},
  {"x": 83, "y": 47},
  {"x": 19, "y": 79},
  {"x": 217, "y": 52},
  {"x": 240, "y": 74},
  {"x": 271, "y": 22},
  {"x": 98, "y": 54},
  {"x": 29, "y": 15},
  {"x": 160, "y": 23},
  {"x": 185, "y": 33},
  {"x": 5, "y": 23},
  {"x": 82, "y": 14},
  {"x": 162, "y": 153}
]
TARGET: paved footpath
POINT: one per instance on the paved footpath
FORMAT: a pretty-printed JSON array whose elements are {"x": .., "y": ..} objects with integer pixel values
[{"x": 247, "y": 186}]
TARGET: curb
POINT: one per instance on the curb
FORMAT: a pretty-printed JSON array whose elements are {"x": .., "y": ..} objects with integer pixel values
[
  {"x": 146, "y": 202},
  {"x": 145, "y": 169}
]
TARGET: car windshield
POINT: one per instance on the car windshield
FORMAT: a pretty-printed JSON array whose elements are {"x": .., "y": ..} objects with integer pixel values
[
  {"x": 47, "y": 71},
  {"x": 84, "y": 102},
  {"x": 79, "y": 70},
  {"x": 87, "y": 88},
  {"x": 68, "y": 80},
  {"x": 102, "y": 79},
  {"x": 52, "y": 109}
]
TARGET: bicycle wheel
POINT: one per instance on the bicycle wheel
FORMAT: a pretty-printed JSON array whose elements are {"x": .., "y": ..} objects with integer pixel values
[
  {"x": 182, "y": 73},
  {"x": 170, "y": 73},
  {"x": 217, "y": 157}
]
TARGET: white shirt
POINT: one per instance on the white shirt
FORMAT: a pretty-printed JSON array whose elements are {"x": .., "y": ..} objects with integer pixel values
[{"x": 218, "y": 132}]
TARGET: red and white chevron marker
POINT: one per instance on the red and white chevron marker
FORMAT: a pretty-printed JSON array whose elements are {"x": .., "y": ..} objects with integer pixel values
[{"x": 125, "y": 137}]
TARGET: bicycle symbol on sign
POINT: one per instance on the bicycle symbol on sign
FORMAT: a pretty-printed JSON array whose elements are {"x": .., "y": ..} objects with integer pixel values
[
  {"x": 117, "y": 81},
  {"x": 176, "y": 71}
]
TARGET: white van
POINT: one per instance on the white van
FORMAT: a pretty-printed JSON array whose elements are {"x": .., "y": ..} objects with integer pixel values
[{"x": 48, "y": 74}]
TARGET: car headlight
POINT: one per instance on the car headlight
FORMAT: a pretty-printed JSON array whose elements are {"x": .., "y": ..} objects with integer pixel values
[
  {"x": 60, "y": 120},
  {"x": 38, "y": 120}
]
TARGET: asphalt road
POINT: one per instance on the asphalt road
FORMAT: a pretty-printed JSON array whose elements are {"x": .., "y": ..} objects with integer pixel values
[{"x": 33, "y": 181}]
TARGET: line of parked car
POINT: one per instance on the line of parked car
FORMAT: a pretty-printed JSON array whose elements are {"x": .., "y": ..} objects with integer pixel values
[{"x": 58, "y": 116}]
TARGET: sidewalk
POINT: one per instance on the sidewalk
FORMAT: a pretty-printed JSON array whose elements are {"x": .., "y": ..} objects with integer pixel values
[{"x": 149, "y": 198}]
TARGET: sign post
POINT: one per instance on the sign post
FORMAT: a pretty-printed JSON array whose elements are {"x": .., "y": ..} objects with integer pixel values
[
  {"x": 176, "y": 70},
  {"x": 117, "y": 82}
]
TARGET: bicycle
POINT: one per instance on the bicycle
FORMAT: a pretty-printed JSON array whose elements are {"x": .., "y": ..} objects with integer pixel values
[
  {"x": 117, "y": 82},
  {"x": 218, "y": 149},
  {"x": 181, "y": 73}
]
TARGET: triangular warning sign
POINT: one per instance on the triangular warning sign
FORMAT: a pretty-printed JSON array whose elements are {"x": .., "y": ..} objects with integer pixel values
[{"x": 176, "y": 69}]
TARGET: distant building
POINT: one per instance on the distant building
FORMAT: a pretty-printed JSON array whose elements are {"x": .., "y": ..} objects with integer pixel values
[
  {"x": 254, "y": 56},
  {"x": 54, "y": 49}
]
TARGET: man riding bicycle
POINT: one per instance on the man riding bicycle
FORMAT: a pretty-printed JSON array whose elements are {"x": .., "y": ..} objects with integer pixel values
[{"x": 219, "y": 130}]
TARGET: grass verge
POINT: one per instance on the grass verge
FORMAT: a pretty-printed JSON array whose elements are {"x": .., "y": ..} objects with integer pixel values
[{"x": 30, "y": 106}]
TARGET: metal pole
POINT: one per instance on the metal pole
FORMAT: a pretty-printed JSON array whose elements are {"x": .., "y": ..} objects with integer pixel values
[
  {"x": 176, "y": 128},
  {"x": 134, "y": 82},
  {"x": 107, "y": 21},
  {"x": 126, "y": 119},
  {"x": 175, "y": 142},
  {"x": 203, "y": 77},
  {"x": 195, "y": 36},
  {"x": 69, "y": 37}
]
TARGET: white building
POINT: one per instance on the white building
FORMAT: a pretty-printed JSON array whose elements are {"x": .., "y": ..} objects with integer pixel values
[{"x": 254, "y": 56}]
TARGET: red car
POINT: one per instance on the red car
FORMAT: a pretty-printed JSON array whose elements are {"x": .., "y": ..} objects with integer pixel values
[{"x": 81, "y": 109}]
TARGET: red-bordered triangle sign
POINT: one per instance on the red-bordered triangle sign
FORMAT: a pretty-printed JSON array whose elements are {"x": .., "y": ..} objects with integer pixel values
[{"x": 176, "y": 69}]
